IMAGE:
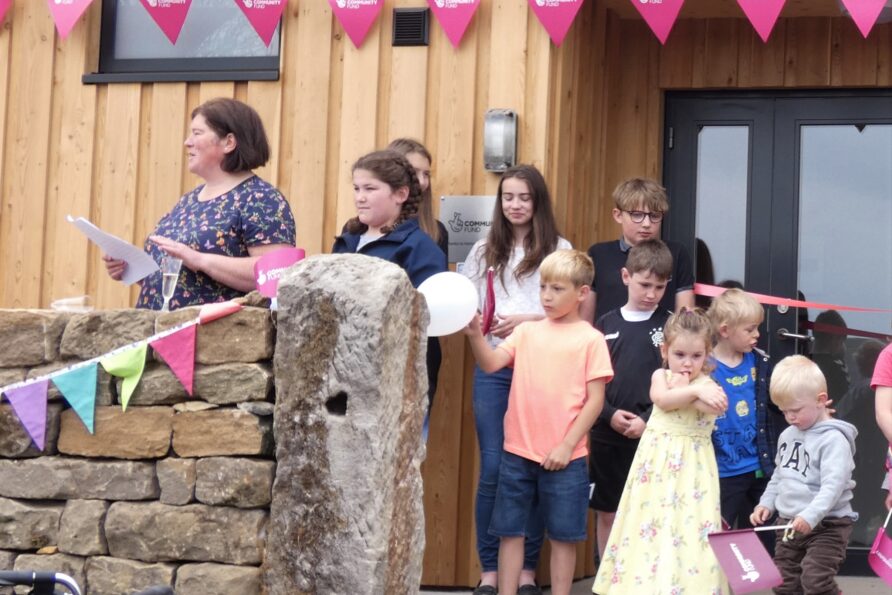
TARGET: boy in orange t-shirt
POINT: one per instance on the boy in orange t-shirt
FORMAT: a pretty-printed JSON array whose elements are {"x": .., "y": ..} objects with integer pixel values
[{"x": 561, "y": 365}]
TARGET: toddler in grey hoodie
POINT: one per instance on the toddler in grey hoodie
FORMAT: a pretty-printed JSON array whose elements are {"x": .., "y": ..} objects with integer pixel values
[{"x": 811, "y": 487}]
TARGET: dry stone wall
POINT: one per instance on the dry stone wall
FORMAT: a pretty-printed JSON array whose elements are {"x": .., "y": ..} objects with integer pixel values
[{"x": 178, "y": 490}]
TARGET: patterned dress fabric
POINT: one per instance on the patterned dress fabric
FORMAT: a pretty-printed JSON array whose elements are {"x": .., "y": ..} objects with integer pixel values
[
  {"x": 253, "y": 213},
  {"x": 658, "y": 544}
]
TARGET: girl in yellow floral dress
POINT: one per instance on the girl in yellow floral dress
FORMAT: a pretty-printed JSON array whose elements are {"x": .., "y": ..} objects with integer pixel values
[{"x": 670, "y": 502}]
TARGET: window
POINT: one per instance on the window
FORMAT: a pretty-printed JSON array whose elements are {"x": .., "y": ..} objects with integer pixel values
[{"x": 217, "y": 43}]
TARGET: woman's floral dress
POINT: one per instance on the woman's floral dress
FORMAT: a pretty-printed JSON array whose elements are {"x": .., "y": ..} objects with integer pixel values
[
  {"x": 669, "y": 505},
  {"x": 253, "y": 213}
]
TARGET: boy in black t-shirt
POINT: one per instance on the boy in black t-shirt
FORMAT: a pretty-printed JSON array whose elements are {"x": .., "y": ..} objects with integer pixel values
[
  {"x": 634, "y": 334},
  {"x": 639, "y": 207}
]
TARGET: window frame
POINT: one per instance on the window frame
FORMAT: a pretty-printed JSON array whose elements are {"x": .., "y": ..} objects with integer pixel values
[{"x": 147, "y": 70}]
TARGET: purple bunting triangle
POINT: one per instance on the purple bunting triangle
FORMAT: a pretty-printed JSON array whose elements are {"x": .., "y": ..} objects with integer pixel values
[
  {"x": 78, "y": 386},
  {"x": 29, "y": 404}
]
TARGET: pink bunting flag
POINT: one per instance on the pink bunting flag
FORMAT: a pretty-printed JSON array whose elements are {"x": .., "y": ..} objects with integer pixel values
[
  {"x": 454, "y": 16},
  {"x": 4, "y": 6},
  {"x": 169, "y": 15},
  {"x": 865, "y": 13},
  {"x": 660, "y": 15},
  {"x": 356, "y": 17},
  {"x": 65, "y": 13},
  {"x": 211, "y": 312},
  {"x": 263, "y": 15},
  {"x": 762, "y": 14},
  {"x": 178, "y": 352},
  {"x": 556, "y": 16},
  {"x": 744, "y": 560},
  {"x": 29, "y": 403}
]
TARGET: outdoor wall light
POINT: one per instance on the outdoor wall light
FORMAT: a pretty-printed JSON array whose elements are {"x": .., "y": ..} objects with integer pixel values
[{"x": 499, "y": 139}]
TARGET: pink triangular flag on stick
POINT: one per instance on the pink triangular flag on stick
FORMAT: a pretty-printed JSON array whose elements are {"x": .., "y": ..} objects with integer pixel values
[
  {"x": 660, "y": 15},
  {"x": 29, "y": 403},
  {"x": 454, "y": 16},
  {"x": 865, "y": 13},
  {"x": 263, "y": 15},
  {"x": 66, "y": 13},
  {"x": 556, "y": 16},
  {"x": 356, "y": 17},
  {"x": 4, "y": 6},
  {"x": 169, "y": 15},
  {"x": 178, "y": 352},
  {"x": 762, "y": 14}
]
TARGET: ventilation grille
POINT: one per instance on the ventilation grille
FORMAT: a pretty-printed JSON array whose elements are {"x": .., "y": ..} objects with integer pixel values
[{"x": 410, "y": 26}]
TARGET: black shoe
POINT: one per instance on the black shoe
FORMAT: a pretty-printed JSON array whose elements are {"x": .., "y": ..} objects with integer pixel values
[
  {"x": 531, "y": 589},
  {"x": 486, "y": 590}
]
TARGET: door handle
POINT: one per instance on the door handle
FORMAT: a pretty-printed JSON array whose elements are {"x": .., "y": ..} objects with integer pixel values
[{"x": 784, "y": 334}]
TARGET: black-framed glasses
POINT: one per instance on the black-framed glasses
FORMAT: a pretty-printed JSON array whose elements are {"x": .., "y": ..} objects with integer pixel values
[{"x": 638, "y": 216}]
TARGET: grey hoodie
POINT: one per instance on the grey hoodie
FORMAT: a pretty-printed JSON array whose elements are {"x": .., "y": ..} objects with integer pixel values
[{"x": 813, "y": 474}]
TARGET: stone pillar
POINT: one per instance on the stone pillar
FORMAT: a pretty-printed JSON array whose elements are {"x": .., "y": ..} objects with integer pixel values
[{"x": 351, "y": 383}]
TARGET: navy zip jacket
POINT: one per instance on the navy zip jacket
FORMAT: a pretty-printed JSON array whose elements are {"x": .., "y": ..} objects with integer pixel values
[{"x": 769, "y": 419}]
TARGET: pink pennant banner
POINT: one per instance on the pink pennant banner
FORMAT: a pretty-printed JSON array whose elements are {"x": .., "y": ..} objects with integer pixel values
[
  {"x": 65, "y": 13},
  {"x": 556, "y": 16},
  {"x": 4, "y": 6},
  {"x": 744, "y": 561},
  {"x": 29, "y": 403},
  {"x": 264, "y": 16},
  {"x": 865, "y": 13},
  {"x": 454, "y": 16},
  {"x": 178, "y": 352},
  {"x": 660, "y": 15},
  {"x": 762, "y": 14},
  {"x": 269, "y": 268},
  {"x": 211, "y": 312},
  {"x": 356, "y": 17},
  {"x": 169, "y": 15}
]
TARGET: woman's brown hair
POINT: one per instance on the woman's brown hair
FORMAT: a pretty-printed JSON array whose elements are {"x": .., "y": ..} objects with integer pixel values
[
  {"x": 229, "y": 116},
  {"x": 426, "y": 220},
  {"x": 393, "y": 169}
]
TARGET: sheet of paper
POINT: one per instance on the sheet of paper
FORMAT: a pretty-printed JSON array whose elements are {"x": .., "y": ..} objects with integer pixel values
[{"x": 139, "y": 264}]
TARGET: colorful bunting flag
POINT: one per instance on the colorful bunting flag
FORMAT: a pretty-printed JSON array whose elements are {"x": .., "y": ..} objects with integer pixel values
[
  {"x": 865, "y": 13},
  {"x": 29, "y": 404},
  {"x": 660, "y": 15},
  {"x": 66, "y": 13},
  {"x": 169, "y": 15},
  {"x": 356, "y": 17},
  {"x": 129, "y": 365},
  {"x": 263, "y": 15},
  {"x": 178, "y": 352},
  {"x": 78, "y": 386},
  {"x": 454, "y": 16},
  {"x": 4, "y": 6},
  {"x": 210, "y": 312},
  {"x": 556, "y": 16},
  {"x": 762, "y": 14}
]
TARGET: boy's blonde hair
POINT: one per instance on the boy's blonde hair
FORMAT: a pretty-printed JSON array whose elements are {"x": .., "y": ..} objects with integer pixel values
[
  {"x": 794, "y": 377},
  {"x": 641, "y": 193},
  {"x": 733, "y": 308},
  {"x": 572, "y": 266}
]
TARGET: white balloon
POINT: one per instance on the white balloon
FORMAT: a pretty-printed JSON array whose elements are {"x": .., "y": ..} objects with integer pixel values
[{"x": 451, "y": 300}]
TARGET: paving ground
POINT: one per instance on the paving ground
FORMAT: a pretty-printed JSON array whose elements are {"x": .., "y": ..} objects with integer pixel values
[{"x": 850, "y": 585}]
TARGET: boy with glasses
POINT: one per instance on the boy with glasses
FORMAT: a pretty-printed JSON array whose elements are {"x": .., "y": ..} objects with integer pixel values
[{"x": 640, "y": 205}]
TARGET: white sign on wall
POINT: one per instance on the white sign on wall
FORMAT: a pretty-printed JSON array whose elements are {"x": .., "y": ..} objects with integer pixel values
[{"x": 467, "y": 219}]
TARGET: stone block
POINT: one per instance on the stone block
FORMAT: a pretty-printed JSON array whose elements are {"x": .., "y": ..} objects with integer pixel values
[
  {"x": 233, "y": 383},
  {"x": 105, "y": 391},
  {"x": 155, "y": 532},
  {"x": 225, "y": 481},
  {"x": 138, "y": 433},
  {"x": 96, "y": 333},
  {"x": 116, "y": 576},
  {"x": 177, "y": 480},
  {"x": 218, "y": 579},
  {"x": 73, "y": 566},
  {"x": 158, "y": 386},
  {"x": 30, "y": 337},
  {"x": 351, "y": 394},
  {"x": 11, "y": 375},
  {"x": 7, "y": 560},
  {"x": 28, "y": 525},
  {"x": 221, "y": 432},
  {"x": 245, "y": 336},
  {"x": 80, "y": 531},
  {"x": 62, "y": 478},
  {"x": 16, "y": 443}
]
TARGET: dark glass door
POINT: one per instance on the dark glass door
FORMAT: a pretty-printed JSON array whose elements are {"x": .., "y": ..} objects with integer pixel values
[{"x": 791, "y": 195}]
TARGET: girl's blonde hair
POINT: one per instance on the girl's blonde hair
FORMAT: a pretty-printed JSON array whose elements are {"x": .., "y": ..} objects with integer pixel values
[
  {"x": 689, "y": 321},
  {"x": 426, "y": 220}
]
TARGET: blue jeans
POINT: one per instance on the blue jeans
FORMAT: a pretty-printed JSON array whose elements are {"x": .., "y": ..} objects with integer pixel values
[{"x": 490, "y": 403}]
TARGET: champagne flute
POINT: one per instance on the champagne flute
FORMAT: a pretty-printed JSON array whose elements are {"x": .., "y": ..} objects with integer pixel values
[{"x": 170, "y": 272}]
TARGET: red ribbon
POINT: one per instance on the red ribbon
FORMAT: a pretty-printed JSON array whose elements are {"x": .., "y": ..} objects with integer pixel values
[{"x": 770, "y": 300}]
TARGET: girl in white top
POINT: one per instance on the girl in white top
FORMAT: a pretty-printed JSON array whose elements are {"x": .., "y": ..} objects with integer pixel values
[{"x": 523, "y": 233}]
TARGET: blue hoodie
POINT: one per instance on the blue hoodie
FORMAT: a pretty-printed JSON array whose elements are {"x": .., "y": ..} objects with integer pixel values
[{"x": 813, "y": 474}]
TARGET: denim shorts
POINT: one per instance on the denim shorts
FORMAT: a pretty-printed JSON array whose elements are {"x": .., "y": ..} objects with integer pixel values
[{"x": 562, "y": 497}]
